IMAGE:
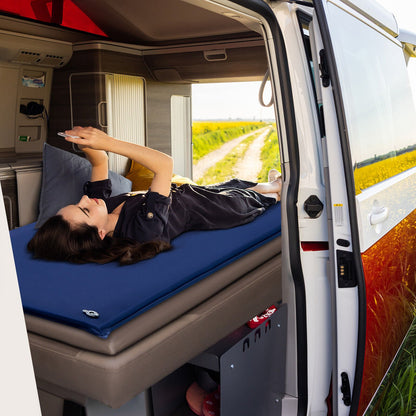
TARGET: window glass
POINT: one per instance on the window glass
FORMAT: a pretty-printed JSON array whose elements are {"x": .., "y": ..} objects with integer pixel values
[{"x": 379, "y": 106}]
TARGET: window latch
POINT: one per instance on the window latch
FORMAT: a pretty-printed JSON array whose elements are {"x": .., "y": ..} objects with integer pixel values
[
  {"x": 323, "y": 66},
  {"x": 345, "y": 389}
]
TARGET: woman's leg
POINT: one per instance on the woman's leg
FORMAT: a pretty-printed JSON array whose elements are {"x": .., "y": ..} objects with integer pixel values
[{"x": 271, "y": 189}]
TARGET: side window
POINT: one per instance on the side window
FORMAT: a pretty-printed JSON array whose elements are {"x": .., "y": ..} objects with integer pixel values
[
  {"x": 233, "y": 136},
  {"x": 378, "y": 104},
  {"x": 304, "y": 24}
]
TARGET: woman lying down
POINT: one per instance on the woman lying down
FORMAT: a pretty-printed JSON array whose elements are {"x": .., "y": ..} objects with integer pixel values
[{"x": 130, "y": 228}]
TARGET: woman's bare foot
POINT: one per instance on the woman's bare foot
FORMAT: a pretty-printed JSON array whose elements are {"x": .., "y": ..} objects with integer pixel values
[{"x": 273, "y": 175}]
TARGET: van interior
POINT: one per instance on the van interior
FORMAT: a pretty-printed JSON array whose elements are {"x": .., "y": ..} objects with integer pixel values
[
  {"x": 128, "y": 68},
  {"x": 56, "y": 77},
  {"x": 106, "y": 340}
]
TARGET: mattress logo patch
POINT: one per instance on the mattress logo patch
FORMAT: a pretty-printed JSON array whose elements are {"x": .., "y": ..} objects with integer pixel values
[{"x": 91, "y": 314}]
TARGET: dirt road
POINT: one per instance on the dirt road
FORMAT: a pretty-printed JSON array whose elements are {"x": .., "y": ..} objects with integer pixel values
[
  {"x": 250, "y": 166},
  {"x": 214, "y": 157}
]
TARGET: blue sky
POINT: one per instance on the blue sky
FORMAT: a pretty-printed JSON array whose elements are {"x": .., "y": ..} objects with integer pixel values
[{"x": 241, "y": 100}]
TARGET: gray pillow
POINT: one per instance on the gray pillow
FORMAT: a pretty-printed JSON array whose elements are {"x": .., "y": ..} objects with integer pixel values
[{"x": 63, "y": 178}]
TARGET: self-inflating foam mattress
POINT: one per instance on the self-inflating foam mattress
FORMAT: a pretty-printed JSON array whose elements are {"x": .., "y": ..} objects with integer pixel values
[
  {"x": 239, "y": 276},
  {"x": 100, "y": 298}
]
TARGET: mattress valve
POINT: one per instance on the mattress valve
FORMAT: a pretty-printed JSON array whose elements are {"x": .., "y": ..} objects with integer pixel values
[{"x": 91, "y": 314}]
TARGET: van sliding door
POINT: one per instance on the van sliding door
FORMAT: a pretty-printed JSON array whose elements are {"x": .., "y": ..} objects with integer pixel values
[
  {"x": 344, "y": 271},
  {"x": 292, "y": 398},
  {"x": 367, "y": 107}
]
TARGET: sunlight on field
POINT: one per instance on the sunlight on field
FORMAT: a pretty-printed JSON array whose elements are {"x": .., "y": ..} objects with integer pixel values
[
  {"x": 369, "y": 175},
  {"x": 202, "y": 127}
]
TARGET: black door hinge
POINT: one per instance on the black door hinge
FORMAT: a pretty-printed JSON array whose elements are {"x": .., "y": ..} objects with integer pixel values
[{"x": 323, "y": 66}]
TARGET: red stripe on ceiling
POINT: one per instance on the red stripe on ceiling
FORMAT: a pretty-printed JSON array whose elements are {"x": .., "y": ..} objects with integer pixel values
[{"x": 63, "y": 12}]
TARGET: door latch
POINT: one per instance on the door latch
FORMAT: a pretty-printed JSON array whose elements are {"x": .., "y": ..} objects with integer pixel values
[{"x": 313, "y": 206}]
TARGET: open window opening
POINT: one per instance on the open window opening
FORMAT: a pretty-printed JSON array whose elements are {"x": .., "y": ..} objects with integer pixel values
[{"x": 233, "y": 135}]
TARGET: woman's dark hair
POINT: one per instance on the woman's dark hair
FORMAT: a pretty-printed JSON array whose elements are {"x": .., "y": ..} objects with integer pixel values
[{"x": 56, "y": 240}]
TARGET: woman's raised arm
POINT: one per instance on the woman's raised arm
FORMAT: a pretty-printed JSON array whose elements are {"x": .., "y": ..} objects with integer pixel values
[
  {"x": 159, "y": 163},
  {"x": 99, "y": 163}
]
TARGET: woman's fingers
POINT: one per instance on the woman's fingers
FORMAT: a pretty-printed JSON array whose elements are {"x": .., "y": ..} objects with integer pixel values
[
  {"x": 81, "y": 142},
  {"x": 88, "y": 137}
]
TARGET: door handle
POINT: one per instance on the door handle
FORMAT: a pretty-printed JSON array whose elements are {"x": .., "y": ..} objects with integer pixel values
[
  {"x": 378, "y": 215},
  {"x": 102, "y": 114}
]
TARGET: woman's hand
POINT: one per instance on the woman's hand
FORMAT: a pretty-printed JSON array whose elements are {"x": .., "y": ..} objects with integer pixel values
[
  {"x": 97, "y": 157},
  {"x": 89, "y": 138}
]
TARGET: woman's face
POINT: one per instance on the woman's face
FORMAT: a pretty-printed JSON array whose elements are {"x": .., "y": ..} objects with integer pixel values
[{"x": 91, "y": 211}]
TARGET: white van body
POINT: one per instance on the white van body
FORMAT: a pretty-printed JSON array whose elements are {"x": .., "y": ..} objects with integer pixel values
[{"x": 344, "y": 113}]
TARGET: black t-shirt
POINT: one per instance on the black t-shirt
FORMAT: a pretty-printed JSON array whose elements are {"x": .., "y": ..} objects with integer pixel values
[{"x": 151, "y": 216}]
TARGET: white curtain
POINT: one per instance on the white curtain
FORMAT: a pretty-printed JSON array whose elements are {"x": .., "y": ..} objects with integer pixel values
[{"x": 125, "y": 114}]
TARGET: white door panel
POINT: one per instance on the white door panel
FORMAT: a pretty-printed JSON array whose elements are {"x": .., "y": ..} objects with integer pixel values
[
  {"x": 384, "y": 205},
  {"x": 345, "y": 325},
  {"x": 18, "y": 387},
  {"x": 369, "y": 88}
]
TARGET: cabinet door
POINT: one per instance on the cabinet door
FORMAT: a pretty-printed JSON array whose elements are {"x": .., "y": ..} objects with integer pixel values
[
  {"x": 88, "y": 99},
  {"x": 114, "y": 103}
]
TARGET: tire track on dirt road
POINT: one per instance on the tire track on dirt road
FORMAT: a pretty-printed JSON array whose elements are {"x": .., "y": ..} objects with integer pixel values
[
  {"x": 250, "y": 166},
  {"x": 215, "y": 156}
]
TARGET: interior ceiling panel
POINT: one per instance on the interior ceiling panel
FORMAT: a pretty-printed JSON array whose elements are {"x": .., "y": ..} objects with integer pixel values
[{"x": 158, "y": 21}]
